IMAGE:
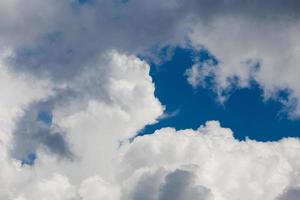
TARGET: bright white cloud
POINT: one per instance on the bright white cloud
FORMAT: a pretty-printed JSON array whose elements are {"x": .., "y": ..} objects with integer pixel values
[{"x": 213, "y": 163}]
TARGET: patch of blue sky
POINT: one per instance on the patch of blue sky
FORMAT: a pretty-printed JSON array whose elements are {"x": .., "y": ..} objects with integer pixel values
[
  {"x": 244, "y": 112},
  {"x": 83, "y": 1},
  {"x": 45, "y": 117},
  {"x": 29, "y": 160}
]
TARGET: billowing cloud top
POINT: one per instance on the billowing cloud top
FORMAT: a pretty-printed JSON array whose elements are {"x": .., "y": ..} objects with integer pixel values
[{"x": 75, "y": 92}]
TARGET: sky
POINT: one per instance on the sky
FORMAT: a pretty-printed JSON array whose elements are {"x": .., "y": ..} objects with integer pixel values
[
  {"x": 245, "y": 111},
  {"x": 149, "y": 100}
]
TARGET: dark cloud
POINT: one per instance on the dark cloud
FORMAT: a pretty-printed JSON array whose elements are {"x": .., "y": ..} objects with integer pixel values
[
  {"x": 174, "y": 185},
  {"x": 290, "y": 194},
  {"x": 35, "y": 129},
  {"x": 271, "y": 10},
  {"x": 69, "y": 34},
  {"x": 147, "y": 187},
  {"x": 77, "y": 34},
  {"x": 180, "y": 185}
]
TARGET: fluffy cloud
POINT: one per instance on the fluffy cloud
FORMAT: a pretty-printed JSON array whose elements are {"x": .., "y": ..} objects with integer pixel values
[
  {"x": 84, "y": 124},
  {"x": 74, "y": 95},
  {"x": 95, "y": 188},
  {"x": 260, "y": 44},
  {"x": 212, "y": 163},
  {"x": 55, "y": 188},
  {"x": 207, "y": 163}
]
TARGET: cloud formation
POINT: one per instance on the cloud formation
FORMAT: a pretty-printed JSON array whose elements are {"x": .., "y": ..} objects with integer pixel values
[
  {"x": 252, "y": 40},
  {"x": 207, "y": 163},
  {"x": 92, "y": 128},
  {"x": 74, "y": 94},
  {"x": 257, "y": 41},
  {"x": 220, "y": 166}
]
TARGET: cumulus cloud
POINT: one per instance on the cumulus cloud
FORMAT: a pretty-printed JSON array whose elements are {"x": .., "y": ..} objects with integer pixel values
[
  {"x": 211, "y": 162},
  {"x": 56, "y": 188},
  {"x": 85, "y": 120},
  {"x": 207, "y": 163},
  {"x": 74, "y": 95}
]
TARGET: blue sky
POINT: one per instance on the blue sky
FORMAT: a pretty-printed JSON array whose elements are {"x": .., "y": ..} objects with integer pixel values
[{"x": 245, "y": 112}]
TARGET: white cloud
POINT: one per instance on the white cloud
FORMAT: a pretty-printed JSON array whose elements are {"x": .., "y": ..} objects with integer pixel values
[
  {"x": 217, "y": 165},
  {"x": 250, "y": 49},
  {"x": 207, "y": 163},
  {"x": 60, "y": 61},
  {"x": 198, "y": 72},
  {"x": 55, "y": 188},
  {"x": 95, "y": 188},
  {"x": 96, "y": 113}
]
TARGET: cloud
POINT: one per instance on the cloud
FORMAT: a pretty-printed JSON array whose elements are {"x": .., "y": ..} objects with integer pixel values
[
  {"x": 168, "y": 115},
  {"x": 251, "y": 42},
  {"x": 95, "y": 188},
  {"x": 207, "y": 163},
  {"x": 66, "y": 36},
  {"x": 56, "y": 188},
  {"x": 179, "y": 185},
  {"x": 72, "y": 86},
  {"x": 162, "y": 184},
  {"x": 32, "y": 133},
  {"x": 290, "y": 194},
  {"x": 211, "y": 162},
  {"x": 86, "y": 120}
]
